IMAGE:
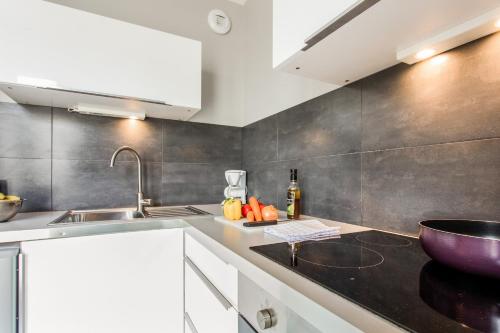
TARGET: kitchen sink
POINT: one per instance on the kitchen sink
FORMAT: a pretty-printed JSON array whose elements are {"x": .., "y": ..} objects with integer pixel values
[{"x": 81, "y": 216}]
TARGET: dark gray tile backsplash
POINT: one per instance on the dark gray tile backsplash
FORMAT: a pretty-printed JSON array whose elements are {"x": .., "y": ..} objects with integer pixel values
[
  {"x": 28, "y": 178},
  {"x": 80, "y": 184},
  {"x": 341, "y": 198},
  {"x": 188, "y": 142},
  {"x": 262, "y": 180},
  {"x": 201, "y": 183},
  {"x": 60, "y": 160},
  {"x": 455, "y": 180},
  {"x": 327, "y": 125},
  {"x": 25, "y": 131},
  {"x": 405, "y": 144},
  {"x": 82, "y": 137},
  {"x": 430, "y": 103},
  {"x": 331, "y": 186},
  {"x": 258, "y": 135}
]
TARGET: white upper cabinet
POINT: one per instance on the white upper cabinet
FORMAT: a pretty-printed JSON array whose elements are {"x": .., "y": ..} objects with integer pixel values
[
  {"x": 345, "y": 40},
  {"x": 81, "y": 58},
  {"x": 294, "y": 21}
]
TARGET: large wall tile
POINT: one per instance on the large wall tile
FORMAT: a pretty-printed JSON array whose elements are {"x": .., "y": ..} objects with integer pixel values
[
  {"x": 186, "y": 142},
  {"x": 93, "y": 184},
  {"x": 330, "y": 186},
  {"x": 260, "y": 141},
  {"x": 430, "y": 102},
  {"x": 327, "y": 125},
  {"x": 404, "y": 186},
  {"x": 25, "y": 131},
  {"x": 84, "y": 137},
  {"x": 194, "y": 183},
  {"x": 334, "y": 184},
  {"x": 29, "y": 179},
  {"x": 262, "y": 182}
]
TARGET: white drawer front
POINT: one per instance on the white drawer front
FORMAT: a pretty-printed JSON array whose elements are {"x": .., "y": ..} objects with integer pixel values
[
  {"x": 205, "y": 308},
  {"x": 222, "y": 275}
]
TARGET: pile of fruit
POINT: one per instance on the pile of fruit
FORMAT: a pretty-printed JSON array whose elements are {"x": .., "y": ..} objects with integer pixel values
[
  {"x": 254, "y": 211},
  {"x": 4, "y": 197}
]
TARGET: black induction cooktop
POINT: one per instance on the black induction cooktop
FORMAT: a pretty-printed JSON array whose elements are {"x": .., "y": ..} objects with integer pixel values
[{"x": 391, "y": 276}]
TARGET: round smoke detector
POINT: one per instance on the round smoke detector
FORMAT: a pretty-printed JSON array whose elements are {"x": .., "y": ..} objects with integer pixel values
[{"x": 219, "y": 21}]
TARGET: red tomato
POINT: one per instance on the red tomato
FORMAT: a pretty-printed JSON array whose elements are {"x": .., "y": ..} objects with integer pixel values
[
  {"x": 261, "y": 205},
  {"x": 245, "y": 209}
]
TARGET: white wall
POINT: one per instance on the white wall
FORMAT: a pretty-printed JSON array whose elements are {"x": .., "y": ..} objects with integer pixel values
[{"x": 239, "y": 85}]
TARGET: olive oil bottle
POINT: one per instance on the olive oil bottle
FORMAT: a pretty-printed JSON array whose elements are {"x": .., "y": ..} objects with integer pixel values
[{"x": 293, "y": 197}]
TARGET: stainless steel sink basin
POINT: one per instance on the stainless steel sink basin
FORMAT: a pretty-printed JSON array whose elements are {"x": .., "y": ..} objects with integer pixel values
[{"x": 79, "y": 216}]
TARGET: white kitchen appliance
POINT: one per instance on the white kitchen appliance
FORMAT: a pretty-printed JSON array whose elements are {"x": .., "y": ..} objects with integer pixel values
[{"x": 237, "y": 180}]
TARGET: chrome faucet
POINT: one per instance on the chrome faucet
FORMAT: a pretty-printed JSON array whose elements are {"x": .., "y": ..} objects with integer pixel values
[{"x": 141, "y": 202}]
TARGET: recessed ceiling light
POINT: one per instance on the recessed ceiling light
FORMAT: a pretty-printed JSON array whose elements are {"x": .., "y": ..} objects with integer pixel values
[
  {"x": 497, "y": 23},
  {"x": 425, "y": 53}
]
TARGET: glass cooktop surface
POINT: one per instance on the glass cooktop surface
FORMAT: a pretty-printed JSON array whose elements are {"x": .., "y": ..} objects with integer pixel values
[{"x": 392, "y": 276}]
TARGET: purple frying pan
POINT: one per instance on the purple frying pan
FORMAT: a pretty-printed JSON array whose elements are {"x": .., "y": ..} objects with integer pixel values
[{"x": 469, "y": 246}]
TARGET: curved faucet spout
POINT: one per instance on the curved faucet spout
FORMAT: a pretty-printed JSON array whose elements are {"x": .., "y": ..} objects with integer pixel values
[{"x": 140, "y": 200}]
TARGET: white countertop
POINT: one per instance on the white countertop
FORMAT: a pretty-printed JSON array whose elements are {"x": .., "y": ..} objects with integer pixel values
[{"x": 314, "y": 303}]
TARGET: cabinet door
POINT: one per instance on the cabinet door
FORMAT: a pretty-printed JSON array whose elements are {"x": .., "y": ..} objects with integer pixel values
[
  {"x": 294, "y": 21},
  {"x": 61, "y": 47},
  {"x": 126, "y": 282}
]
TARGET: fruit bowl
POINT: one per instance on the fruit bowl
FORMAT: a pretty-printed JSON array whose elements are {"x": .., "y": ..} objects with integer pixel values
[{"x": 9, "y": 208}]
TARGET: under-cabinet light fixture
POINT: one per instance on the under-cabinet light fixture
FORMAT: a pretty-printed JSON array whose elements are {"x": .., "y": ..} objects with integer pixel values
[
  {"x": 106, "y": 111},
  {"x": 446, "y": 40}
]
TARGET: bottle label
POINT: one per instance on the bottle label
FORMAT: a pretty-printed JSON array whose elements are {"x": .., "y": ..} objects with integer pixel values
[{"x": 290, "y": 204}]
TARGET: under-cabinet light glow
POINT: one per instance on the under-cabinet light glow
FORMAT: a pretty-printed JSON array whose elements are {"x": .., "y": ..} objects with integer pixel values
[
  {"x": 497, "y": 23},
  {"x": 425, "y": 53},
  {"x": 438, "y": 60}
]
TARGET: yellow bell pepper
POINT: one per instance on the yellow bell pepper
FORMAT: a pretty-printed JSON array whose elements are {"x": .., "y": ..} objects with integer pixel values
[{"x": 232, "y": 209}]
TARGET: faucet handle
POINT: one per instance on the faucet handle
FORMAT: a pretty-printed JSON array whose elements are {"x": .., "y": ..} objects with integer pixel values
[{"x": 147, "y": 202}]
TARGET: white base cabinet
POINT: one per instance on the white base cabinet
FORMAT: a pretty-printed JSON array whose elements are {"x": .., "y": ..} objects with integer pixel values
[
  {"x": 211, "y": 291},
  {"x": 207, "y": 308},
  {"x": 126, "y": 282}
]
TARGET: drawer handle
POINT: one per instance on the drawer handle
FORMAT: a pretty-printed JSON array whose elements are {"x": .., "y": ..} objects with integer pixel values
[
  {"x": 190, "y": 323},
  {"x": 20, "y": 293},
  {"x": 222, "y": 300}
]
